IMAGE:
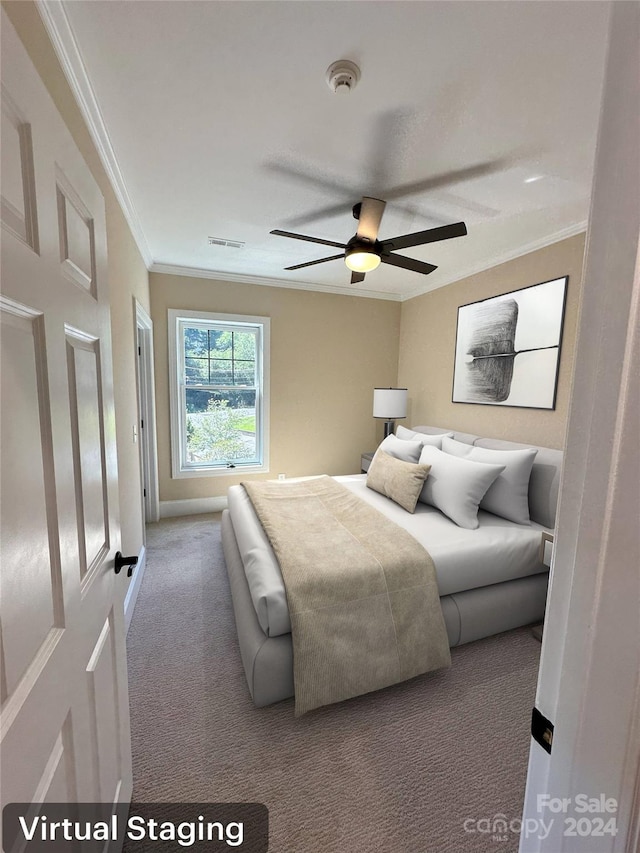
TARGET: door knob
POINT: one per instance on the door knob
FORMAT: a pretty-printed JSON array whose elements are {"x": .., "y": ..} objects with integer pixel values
[{"x": 121, "y": 561}]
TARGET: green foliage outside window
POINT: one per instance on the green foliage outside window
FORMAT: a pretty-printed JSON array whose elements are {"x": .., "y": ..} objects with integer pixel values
[
  {"x": 214, "y": 435},
  {"x": 220, "y": 417},
  {"x": 214, "y": 357}
]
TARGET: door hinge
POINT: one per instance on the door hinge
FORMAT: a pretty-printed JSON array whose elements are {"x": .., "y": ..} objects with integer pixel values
[
  {"x": 144, "y": 493},
  {"x": 139, "y": 351},
  {"x": 141, "y": 424},
  {"x": 541, "y": 730}
]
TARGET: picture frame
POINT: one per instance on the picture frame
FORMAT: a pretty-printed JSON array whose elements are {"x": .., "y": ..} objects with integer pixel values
[{"x": 507, "y": 349}]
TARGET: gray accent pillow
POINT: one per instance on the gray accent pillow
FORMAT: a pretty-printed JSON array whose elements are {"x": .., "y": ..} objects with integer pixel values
[
  {"x": 408, "y": 451},
  {"x": 424, "y": 438},
  {"x": 456, "y": 486},
  {"x": 398, "y": 480},
  {"x": 508, "y": 495}
]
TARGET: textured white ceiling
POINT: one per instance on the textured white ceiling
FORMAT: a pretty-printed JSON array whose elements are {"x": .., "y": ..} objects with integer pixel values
[{"x": 222, "y": 125}]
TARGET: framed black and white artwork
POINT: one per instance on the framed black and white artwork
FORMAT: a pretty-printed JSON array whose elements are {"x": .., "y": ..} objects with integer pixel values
[{"x": 508, "y": 347}]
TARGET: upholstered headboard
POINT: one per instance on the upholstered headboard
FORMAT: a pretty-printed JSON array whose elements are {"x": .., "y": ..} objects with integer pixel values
[
  {"x": 466, "y": 437},
  {"x": 545, "y": 474}
]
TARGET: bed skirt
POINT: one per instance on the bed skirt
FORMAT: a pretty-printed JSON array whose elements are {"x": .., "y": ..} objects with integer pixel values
[{"x": 468, "y": 616}]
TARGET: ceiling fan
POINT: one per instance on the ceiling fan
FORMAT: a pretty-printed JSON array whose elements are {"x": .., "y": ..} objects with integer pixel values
[{"x": 364, "y": 252}]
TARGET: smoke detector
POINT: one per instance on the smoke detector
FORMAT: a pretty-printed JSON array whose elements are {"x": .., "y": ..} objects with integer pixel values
[{"x": 342, "y": 76}]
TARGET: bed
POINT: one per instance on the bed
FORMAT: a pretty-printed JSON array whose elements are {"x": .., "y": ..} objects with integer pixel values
[{"x": 490, "y": 579}]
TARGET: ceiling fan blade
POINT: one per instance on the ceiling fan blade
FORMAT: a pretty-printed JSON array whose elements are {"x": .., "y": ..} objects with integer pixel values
[
  {"x": 408, "y": 264},
  {"x": 333, "y": 184},
  {"x": 311, "y": 263},
  {"x": 419, "y": 238},
  {"x": 371, "y": 211},
  {"x": 337, "y": 187},
  {"x": 455, "y": 176},
  {"x": 389, "y": 137},
  {"x": 331, "y": 210},
  {"x": 344, "y": 208},
  {"x": 279, "y": 233},
  {"x": 378, "y": 179},
  {"x": 357, "y": 277}
]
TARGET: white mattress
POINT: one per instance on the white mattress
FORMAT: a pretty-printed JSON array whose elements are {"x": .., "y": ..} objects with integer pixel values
[{"x": 498, "y": 550}]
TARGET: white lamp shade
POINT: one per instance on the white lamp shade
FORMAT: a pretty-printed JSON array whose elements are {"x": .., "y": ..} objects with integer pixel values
[{"x": 389, "y": 403}]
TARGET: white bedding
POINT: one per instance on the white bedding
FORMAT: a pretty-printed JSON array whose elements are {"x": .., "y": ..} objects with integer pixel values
[{"x": 498, "y": 550}]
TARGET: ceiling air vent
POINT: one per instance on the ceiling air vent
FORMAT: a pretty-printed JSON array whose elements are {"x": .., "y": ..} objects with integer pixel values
[{"x": 231, "y": 244}]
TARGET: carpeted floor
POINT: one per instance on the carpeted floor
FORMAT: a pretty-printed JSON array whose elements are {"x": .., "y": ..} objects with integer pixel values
[{"x": 399, "y": 770}]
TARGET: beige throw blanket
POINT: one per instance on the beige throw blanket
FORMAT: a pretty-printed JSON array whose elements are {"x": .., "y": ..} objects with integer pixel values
[{"x": 362, "y": 593}]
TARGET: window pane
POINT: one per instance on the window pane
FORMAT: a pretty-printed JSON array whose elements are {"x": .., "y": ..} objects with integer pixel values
[
  {"x": 220, "y": 426},
  {"x": 244, "y": 372},
  {"x": 196, "y": 371},
  {"x": 219, "y": 357},
  {"x": 196, "y": 342},
  {"x": 244, "y": 345},
  {"x": 221, "y": 372},
  {"x": 220, "y": 344}
]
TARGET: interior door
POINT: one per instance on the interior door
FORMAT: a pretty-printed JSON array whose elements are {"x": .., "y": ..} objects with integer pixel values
[
  {"x": 65, "y": 713},
  {"x": 141, "y": 425}
]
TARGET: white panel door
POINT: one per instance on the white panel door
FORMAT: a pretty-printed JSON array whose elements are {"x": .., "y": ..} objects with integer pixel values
[{"x": 65, "y": 713}]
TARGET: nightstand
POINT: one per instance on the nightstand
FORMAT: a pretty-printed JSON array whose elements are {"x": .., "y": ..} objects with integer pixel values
[
  {"x": 365, "y": 461},
  {"x": 546, "y": 550}
]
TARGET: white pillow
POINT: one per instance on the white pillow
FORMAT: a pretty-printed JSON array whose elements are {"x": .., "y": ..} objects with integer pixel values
[
  {"x": 456, "y": 486},
  {"x": 508, "y": 496},
  {"x": 423, "y": 437},
  {"x": 408, "y": 451}
]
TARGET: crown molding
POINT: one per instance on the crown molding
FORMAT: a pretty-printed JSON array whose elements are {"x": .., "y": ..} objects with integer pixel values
[
  {"x": 64, "y": 43},
  {"x": 496, "y": 260},
  {"x": 237, "y": 278}
]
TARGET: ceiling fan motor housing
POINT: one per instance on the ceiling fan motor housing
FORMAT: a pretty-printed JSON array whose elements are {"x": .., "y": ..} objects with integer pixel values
[
  {"x": 342, "y": 76},
  {"x": 361, "y": 244}
]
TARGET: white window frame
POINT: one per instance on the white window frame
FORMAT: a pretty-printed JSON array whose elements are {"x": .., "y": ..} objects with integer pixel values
[{"x": 177, "y": 319}]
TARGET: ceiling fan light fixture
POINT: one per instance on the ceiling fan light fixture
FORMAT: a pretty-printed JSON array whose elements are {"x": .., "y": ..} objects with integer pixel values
[{"x": 359, "y": 260}]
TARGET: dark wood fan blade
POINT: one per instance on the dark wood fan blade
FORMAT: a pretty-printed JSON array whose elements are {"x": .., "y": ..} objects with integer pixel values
[
  {"x": 357, "y": 277},
  {"x": 311, "y": 263},
  {"x": 371, "y": 211},
  {"x": 419, "y": 238},
  {"x": 408, "y": 264},
  {"x": 279, "y": 233}
]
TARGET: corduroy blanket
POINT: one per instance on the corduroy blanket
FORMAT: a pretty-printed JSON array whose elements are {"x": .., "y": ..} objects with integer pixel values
[{"x": 362, "y": 592}]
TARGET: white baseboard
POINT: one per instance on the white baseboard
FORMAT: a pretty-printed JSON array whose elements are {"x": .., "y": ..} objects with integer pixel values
[
  {"x": 192, "y": 506},
  {"x": 134, "y": 587}
]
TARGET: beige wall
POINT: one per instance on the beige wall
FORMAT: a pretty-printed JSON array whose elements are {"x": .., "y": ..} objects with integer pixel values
[
  {"x": 427, "y": 343},
  {"x": 128, "y": 277},
  {"x": 328, "y": 352}
]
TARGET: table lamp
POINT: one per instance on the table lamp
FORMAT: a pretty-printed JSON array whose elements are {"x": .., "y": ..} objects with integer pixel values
[{"x": 389, "y": 403}]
